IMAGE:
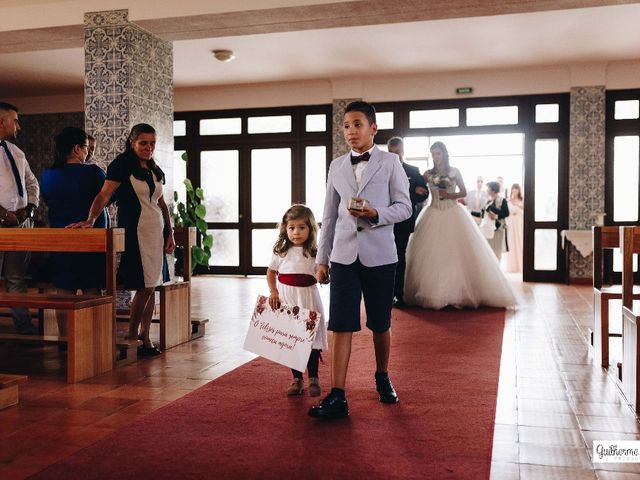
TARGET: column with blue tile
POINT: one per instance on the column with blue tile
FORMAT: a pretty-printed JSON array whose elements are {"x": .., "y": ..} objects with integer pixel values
[
  {"x": 586, "y": 168},
  {"x": 128, "y": 80},
  {"x": 340, "y": 146}
]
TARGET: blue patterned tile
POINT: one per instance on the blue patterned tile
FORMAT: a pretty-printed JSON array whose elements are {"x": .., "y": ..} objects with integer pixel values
[
  {"x": 586, "y": 167},
  {"x": 129, "y": 79},
  {"x": 340, "y": 146}
]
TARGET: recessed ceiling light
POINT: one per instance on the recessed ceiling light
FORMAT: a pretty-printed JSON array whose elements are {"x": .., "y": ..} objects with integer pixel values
[{"x": 224, "y": 55}]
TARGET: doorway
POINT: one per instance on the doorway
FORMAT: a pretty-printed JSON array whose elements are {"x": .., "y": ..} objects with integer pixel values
[{"x": 523, "y": 139}]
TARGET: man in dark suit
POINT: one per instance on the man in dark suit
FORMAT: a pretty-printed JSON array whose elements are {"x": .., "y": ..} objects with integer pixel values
[{"x": 418, "y": 193}]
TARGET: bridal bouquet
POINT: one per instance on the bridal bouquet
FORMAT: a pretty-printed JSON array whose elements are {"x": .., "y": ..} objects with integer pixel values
[{"x": 441, "y": 181}]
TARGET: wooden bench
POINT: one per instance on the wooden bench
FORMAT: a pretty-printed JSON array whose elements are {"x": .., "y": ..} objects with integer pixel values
[
  {"x": 90, "y": 318},
  {"x": 9, "y": 389},
  {"x": 89, "y": 329},
  {"x": 604, "y": 238},
  {"x": 185, "y": 237},
  {"x": 630, "y": 245},
  {"x": 174, "y": 318}
]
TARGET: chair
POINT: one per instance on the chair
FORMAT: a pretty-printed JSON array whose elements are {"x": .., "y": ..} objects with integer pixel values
[
  {"x": 630, "y": 244},
  {"x": 604, "y": 238}
]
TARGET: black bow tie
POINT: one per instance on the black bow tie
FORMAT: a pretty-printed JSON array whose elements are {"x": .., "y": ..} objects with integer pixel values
[{"x": 360, "y": 158}]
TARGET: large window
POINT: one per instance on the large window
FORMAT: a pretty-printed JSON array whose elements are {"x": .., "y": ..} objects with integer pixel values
[
  {"x": 252, "y": 165},
  {"x": 622, "y": 167},
  {"x": 622, "y": 179}
]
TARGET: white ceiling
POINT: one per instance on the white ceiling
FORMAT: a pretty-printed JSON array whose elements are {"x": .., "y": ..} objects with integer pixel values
[
  {"x": 590, "y": 35},
  {"x": 547, "y": 38}
]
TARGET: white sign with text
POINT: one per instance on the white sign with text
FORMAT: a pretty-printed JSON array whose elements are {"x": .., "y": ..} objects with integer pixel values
[{"x": 284, "y": 335}]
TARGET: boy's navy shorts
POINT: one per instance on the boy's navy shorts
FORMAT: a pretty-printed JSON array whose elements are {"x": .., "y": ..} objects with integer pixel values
[{"x": 349, "y": 283}]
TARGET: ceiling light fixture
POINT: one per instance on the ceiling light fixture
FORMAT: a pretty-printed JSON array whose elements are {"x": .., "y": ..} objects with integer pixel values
[{"x": 223, "y": 55}]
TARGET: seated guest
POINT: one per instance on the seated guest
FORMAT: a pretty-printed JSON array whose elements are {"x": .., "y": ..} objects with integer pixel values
[{"x": 68, "y": 188}]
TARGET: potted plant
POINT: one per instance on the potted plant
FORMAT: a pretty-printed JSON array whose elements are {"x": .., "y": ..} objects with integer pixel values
[{"x": 191, "y": 214}]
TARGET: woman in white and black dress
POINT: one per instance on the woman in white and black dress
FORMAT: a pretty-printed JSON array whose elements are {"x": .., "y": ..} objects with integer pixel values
[
  {"x": 495, "y": 213},
  {"x": 449, "y": 262},
  {"x": 136, "y": 180}
]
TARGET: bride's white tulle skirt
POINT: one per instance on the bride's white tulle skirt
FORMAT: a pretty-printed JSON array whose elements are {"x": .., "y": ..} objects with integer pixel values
[{"x": 449, "y": 262}]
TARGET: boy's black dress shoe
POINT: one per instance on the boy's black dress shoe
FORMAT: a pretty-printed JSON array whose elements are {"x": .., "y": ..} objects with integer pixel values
[
  {"x": 331, "y": 407},
  {"x": 385, "y": 389}
]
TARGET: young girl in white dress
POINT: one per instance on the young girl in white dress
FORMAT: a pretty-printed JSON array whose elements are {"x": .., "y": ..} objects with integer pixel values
[
  {"x": 292, "y": 281},
  {"x": 449, "y": 262}
]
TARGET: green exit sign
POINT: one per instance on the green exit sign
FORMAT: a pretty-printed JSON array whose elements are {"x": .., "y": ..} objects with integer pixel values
[{"x": 464, "y": 90}]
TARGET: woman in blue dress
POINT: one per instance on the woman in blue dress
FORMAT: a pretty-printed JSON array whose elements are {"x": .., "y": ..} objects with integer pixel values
[
  {"x": 136, "y": 180},
  {"x": 68, "y": 188}
]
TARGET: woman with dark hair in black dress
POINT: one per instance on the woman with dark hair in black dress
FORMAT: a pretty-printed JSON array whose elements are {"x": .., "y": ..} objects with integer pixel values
[{"x": 136, "y": 181}]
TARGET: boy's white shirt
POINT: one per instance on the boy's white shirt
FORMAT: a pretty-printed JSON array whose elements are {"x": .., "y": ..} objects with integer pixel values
[{"x": 359, "y": 167}]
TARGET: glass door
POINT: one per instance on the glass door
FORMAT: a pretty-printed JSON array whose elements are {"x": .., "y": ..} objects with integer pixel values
[
  {"x": 519, "y": 139},
  {"x": 220, "y": 179},
  {"x": 252, "y": 165},
  {"x": 270, "y": 196},
  {"x": 545, "y": 208},
  {"x": 277, "y": 181}
]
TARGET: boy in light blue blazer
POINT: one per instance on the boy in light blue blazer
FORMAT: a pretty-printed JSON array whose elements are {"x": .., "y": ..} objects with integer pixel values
[{"x": 367, "y": 193}]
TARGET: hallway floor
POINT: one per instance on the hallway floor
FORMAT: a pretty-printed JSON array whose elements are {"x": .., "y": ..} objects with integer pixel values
[
  {"x": 552, "y": 402},
  {"x": 553, "y": 399}
]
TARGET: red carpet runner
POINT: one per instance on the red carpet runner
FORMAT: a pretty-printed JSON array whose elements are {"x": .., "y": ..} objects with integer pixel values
[{"x": 444, "y": 366}]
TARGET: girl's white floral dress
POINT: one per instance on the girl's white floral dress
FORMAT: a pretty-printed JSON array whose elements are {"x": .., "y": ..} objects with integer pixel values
[{"x": 306, "y": 297}]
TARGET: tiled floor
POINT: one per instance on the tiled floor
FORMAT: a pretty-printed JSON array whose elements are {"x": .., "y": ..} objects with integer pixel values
[{"x": 553, "y": 401}]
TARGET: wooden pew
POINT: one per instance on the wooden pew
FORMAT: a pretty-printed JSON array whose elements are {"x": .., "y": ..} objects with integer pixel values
[
  {"x": 604, "y": 238},
  {"x": 91, "y": 318},
  {"x": 9, "y": 389},
  {"x": 630, "y": 244},
  {"x": 186, "y": 238}
]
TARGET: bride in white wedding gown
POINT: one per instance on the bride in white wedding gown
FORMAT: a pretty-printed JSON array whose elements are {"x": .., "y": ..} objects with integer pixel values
[{"x": 449, "y": 262}]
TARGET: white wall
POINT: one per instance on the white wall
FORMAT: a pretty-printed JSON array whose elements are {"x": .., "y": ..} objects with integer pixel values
[{"x": 490, "y": 83}]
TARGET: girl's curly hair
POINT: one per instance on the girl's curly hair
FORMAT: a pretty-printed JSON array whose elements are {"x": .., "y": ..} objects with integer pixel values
[{"x": 297, "y": 212}]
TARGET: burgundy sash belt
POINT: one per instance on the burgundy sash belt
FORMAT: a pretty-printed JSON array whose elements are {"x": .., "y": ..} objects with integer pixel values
[{"x": 297, "y": 279}]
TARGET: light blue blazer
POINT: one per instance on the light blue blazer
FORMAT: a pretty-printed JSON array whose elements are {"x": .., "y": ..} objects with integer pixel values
[{"x": 385, "y": 185}]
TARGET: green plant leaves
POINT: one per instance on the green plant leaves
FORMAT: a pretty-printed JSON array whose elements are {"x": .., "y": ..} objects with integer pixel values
[
  {"x": 202, "y": 226},
  {"x": 198, "y": 255},
  {"x": 191, "y": 213},
  {"x": 201, "y": 211}
]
